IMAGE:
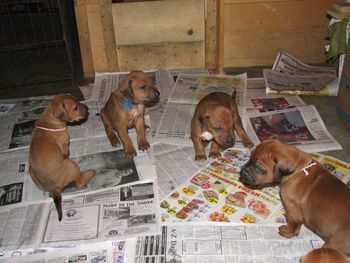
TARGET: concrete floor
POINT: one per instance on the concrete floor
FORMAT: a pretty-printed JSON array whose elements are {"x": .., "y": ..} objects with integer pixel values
[{"x": 326, "y": 108}]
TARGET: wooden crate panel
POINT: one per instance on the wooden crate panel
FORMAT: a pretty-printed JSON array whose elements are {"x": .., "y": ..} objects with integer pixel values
[
  {"x": 98, "y": 45},
  {"x": 159, "y": 22},
  {"x": 254, "y": 33},
  {"x": 170, "y": 55}
]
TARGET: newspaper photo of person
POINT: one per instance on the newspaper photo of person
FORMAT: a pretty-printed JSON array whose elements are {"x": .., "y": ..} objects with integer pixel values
[
  {"x": 289, "y": 127},
  {"x": 112, "y": 169}
]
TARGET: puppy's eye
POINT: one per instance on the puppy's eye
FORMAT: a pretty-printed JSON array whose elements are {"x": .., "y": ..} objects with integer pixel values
[
  {"x": 143, "y": 87},
  {"x": 75, "y": 107},
  {"x": 218, "y": 129}
]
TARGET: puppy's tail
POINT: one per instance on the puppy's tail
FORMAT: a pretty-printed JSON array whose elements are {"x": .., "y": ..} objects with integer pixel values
[{"x": 57, "y": 199}]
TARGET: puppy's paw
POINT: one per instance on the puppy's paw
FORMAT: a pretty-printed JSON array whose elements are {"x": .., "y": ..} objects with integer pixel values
[
  {"x": 130, "y": 153},
  {"x": 284, "y": 231},
  {"x": 200, "y": 157},
  {"x": 143, "y": 145},
  {"x": 113, "y": 139},
  {"x": 214, "y": 154}
]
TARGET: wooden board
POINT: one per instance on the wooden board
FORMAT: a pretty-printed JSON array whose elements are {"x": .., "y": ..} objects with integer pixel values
[
  {"x": 211, "y": 35},
  {"x": 84, "y": 37},
  {"x": 170, "y": 55},
  {"x": 254, "y": 33},
  {"x": 159, "y": 22}
]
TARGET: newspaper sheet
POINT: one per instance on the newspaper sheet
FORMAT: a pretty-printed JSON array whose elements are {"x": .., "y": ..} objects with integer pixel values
[
  {"x": 108, "y": 214},
  {"x": 19, "y": 124},
  {"x": 105, "y": 83},
  {"x": 259, "y": 100},
  {"x": 291, "y": 76},
  {"x": 300, "y": 125},
  {"x": 175, "y": 125},
  {"x": 107, "y": 251},
  {"x": 229, "y": 243},
  {"x": 174, "y": 165},
  {"x": 215, "y": 194},
  {"x": 18, "y": 121},
  {"x": 111, "y": 165}
]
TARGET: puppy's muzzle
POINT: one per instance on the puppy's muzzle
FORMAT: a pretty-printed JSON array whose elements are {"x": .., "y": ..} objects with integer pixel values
[
  {"x": 82, "y": 115},
  {"x": 155, "y": 94},
  {"x": 227, "y": 142},
  {"x": 249, "y": 173}
]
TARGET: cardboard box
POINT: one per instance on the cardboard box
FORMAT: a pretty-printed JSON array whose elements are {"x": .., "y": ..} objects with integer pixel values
[{"x": 343, "y": 98}]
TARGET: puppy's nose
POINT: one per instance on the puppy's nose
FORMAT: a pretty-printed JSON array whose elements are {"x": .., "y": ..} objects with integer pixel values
[
  {"x": 245, "y": 177},
  {"x": 230, "y": 140},
  {"x": 156, "y": 93}
]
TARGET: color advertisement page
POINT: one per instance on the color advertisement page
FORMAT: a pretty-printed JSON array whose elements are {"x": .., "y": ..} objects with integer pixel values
[{"x": 215, "y": 194}]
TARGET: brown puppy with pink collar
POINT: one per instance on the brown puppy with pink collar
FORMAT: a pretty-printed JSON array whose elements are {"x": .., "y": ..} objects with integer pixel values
[
  {"x": 49, "y": 163},
  {"x": 125, "y": 109},
  {"x": 310, "y": 194}
]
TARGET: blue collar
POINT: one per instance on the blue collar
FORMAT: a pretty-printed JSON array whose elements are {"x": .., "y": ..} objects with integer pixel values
[{"x": 127, "y": 104}]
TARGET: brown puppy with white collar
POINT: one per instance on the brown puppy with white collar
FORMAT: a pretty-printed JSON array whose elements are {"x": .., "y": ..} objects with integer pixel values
[
  {"x": 49, "y": 163},
  {"x": 310, "y": 194},
  {"x": 216, "y": 119},
  {"x": 125, "y": 109},
  {"x": 325, "y": 255}
]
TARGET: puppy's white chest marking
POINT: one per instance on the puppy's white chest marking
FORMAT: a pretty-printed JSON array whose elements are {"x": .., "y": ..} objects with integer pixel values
[
  {"x": 206, "y": 136},
  {"x": 133, "y": 113}
]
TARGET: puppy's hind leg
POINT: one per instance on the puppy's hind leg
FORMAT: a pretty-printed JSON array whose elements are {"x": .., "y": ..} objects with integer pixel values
[
  {"x": 111, "y": 134},
  {"x": 72, "y": 173}
]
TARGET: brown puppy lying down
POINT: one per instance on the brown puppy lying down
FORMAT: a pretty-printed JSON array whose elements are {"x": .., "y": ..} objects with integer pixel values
[
  {"x": 325, "y": 255},
  {"x": 310, "y": 194},
  {"x": 125, "y": 109},
  {"x": 216, "y": 119},
  {"x": 49, "y": 163}
]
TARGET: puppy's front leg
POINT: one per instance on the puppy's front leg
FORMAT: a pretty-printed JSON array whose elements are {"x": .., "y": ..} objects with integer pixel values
[
  {"x": 141, "y": 134},
  {"x": 214, "y": 150},
  {"x": 243, "y": 135},
  {"x": 109, "y": 130},
  {"x": 196, "y": 129},
  {"x": 129, "y": 149}
]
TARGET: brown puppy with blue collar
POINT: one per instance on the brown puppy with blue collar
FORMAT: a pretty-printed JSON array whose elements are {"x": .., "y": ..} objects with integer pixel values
[
  {"x": 216, "y": 119},
  {"x": 49, "y": 163},
  {"x": 310, "y": 194},
  {"x": 125, "y": 109}
]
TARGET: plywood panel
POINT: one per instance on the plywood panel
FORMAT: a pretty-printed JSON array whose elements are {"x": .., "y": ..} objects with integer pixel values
[
  {"x": 169, "y": 55},
  {"x": 108, "y": 34},
  {"x": 211, "y": 34},
  {"x": 255, "y": 32},
  {"x": 159, "y": 22},
  {"x": 84, "y": 37},
  {"x": 98, "y": 49}
]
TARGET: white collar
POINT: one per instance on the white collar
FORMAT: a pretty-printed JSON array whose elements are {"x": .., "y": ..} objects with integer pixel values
[
  {"x": 310, "y": 164},
  {"x": 49, "y": 129}
]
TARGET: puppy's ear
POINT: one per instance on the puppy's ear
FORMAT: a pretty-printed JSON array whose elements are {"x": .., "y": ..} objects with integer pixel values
[
  {"x": 205, "y": 123},
  {"x": 127, "y": 90},
  {"x": 282, "y": 168},
  {"x": 61, "y": 111}
]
